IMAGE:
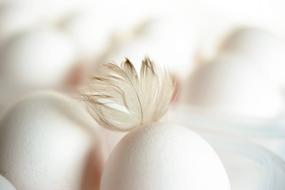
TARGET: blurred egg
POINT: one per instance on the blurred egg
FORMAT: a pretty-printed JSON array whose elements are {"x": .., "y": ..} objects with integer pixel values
[
  {"x": 264, "y": 49},
  {"x": 5, "y": 184},
  {"x": 56, "y": 10},
  {"x": 42, "y": 57},
  {"x": 164, "y": 156},
  {"x": 95, "y": 30},
  {"x": 90, "y": 33},
  {"x": 23, "y": 14},
  {"x": 232, "y": 86},
  {"x": 166, "y": 40},
  {"x": 48, "y": 141},
  {"x": 15, "y": 19}
]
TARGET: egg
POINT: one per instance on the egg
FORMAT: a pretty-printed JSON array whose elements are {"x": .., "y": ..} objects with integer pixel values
[
  {"x": 110, "y": 139},
  {"x": 164, "y": 156},
  {"x": 5, "y": 184},
  {"x": 166, "y": 40},
  {"x": 42, "y": 57},
  {"x": 15, "y": 19},
  {"x": 48, "y": 141},
  {"x": 232, "y": 86},
  {"x": 55, "y": 10},
  {"x": 264, "y": 49},
  {"x": 95, "y": 36},
  {"x": 90, "y": 33},
  {"x": 17, "y": 16}
]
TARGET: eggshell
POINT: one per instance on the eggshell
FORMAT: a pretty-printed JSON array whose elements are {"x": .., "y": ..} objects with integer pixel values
[
  {"x": 110, "y": 139},
  {"x": 232, "y": 86},
  {"x": 90, "y": 34},
  {"x": 266, "y": 51},
  {"x": 15, "y": 19},
  {"x": 5, "y": 184},
  {"x": 164, "y": 156},
  {"x": 19, "y": 15},
  {"x": 166, "y": 40},
  {"x": 41, "y": 57},
  {"x": 55, "y": 10},
  {"x": 47, "y": 141}
]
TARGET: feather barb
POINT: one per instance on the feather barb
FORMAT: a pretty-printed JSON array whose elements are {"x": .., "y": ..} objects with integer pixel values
[{"x": 120, "y": 99}]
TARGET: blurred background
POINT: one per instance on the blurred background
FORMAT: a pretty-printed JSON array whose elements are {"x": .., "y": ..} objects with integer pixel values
[
  {"x": 44, "y": 43},
  {"x": 227, "y": 59},
  {"x": 38, "y": 37}
]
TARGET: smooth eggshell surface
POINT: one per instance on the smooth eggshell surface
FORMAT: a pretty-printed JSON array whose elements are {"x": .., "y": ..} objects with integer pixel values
[
  {"x": 89, "y": 33},
  {"x": 5, "y": 184},
  {"x": 264, "y": 49},
  {"x": 38, "y": 58},
  {"x": 47, "y": 142},
  {"x": 15, "y": 18},
  {"x": 231, "y": 85},
  {"x": 164, "y": 156}
]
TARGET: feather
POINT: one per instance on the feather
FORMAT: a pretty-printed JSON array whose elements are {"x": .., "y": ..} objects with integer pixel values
[{"x": 120, "y": 99}]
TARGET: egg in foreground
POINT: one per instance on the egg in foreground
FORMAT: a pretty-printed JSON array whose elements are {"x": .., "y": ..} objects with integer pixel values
[{"x": 164, "y": 156}]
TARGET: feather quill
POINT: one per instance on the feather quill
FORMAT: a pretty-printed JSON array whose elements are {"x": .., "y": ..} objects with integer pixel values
[{"x": 122, "y": 99}]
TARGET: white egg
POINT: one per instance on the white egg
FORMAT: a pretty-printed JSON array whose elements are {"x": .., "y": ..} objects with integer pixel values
[
  {"x": 48, "y": 141},
  {"x": 5, "y": 184},
  {"x": 164, "y": 156},
  {"x": 232, "y": 86},
  {"x": 90, "y": 33},
  {"x": 42, "y": 57},
  {"x": 264, "y": 49},
  {"x": 93, "y": 30},
  {"x": 97, "y": 38},
  {"x": 55, "y": 10},
  {"x": 165, "y": 40},
  {"x": 19, "y": 15},
  {"x": 15, "y": 19},
  {"x": 110, "y": 139}
]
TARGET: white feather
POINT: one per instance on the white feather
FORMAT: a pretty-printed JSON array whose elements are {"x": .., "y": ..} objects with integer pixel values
[{"x": 121, "y": 99}]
